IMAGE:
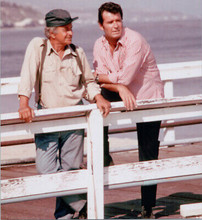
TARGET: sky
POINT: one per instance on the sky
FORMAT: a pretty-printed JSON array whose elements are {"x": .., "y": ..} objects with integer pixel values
[{"x": 188, "y": 7}]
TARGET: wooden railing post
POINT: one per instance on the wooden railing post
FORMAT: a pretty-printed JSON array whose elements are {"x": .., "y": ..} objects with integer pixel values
[
  {"x": 95, "y": 165},
  {"x": 169, "y": 133}
]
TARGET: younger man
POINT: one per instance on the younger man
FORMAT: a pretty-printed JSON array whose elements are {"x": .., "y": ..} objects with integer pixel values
[{"x": 126, "y": 69}]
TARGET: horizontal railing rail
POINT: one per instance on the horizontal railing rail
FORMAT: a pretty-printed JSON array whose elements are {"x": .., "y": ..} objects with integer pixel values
[
  {"x": 95, "y": 177},
  {"x": 169, "y": 72},
  {"x": 173, "y": 111},
  {"x": 118, "y": 176}
]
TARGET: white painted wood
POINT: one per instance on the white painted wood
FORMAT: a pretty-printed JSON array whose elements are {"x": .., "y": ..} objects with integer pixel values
[
  {"x": 43, "y": 123},
  {"x": 49, "y": 114},
  {"x": 169, "y": 133},
  {"x": 181, "y": 70},
  {"x": 71, "y": 111},
  {"x": 26, "y": 188},
  {"x": 153, "y": 170},
  {"x": 168, "y": 89},
  {"x": 67, "y": 183},
  {"x": 95, "y": 166},
  {"x": 191, "y": 210},
  {"x": 168, "y": 71},
  {"x": 44, "y": 126},
  {"x": 130, "y": 118}
]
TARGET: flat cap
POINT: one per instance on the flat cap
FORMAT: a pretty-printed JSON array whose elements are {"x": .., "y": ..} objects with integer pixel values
[{"x": 58, "y": 17}]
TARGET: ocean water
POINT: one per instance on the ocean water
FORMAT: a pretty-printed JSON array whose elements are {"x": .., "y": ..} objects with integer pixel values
[{"x": 171, "y": 41}]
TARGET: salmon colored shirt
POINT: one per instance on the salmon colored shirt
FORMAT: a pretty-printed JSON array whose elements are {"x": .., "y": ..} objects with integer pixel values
[
  {"x": 63, "y": 83},
  {"x": 132, "y": 64}
]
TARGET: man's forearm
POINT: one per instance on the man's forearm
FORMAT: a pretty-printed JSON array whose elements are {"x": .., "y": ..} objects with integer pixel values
[
  {"x": 103, "y": 78},
  {"x": 111, "y": 87}
]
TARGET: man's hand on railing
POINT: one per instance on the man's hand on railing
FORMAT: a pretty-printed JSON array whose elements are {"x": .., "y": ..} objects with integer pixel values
[
  {"x": 127, "y": 97},
  {"x": 25, "y": 112},
  {"x": 103, "y": 105}
]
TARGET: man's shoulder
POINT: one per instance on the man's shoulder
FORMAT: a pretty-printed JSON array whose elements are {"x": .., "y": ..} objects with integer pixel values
[
  {"x": 77, "y": 48},
  {"x": 37, "y": 41},
  {"x": 99, "y": 41},
  {"x": 132, "y": 33},
  {"x": 133, "y": 36}
]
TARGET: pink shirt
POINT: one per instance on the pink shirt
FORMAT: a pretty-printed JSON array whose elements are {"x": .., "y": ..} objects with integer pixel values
[{"x": 132, "y": 64}]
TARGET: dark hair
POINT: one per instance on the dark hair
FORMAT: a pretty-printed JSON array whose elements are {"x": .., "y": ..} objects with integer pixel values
[{"x": 110, "y": 7}]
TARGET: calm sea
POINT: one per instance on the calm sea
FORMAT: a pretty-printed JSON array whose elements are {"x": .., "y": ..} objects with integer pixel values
[{"x": 172, "y": 41}]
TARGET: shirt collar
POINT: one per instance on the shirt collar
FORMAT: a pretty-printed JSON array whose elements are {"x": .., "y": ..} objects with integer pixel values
[
  {"x": 120, "y": 41},
  {"x": 50, "y": 49}
]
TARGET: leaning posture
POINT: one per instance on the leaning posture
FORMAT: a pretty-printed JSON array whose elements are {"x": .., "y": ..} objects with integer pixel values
[
  {"x": 126, "y": 69},
  {"x": 61, "y": 75}
]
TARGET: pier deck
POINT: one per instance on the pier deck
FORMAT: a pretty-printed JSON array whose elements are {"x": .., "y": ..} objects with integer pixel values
[{"x": 119, "y": 203}]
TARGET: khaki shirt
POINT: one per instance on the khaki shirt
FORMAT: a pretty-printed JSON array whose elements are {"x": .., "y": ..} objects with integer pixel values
[{"x": 63, "y": 83}]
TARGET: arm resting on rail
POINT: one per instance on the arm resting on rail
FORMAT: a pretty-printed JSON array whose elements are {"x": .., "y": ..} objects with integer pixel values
[{"x": 25, "y": 112}]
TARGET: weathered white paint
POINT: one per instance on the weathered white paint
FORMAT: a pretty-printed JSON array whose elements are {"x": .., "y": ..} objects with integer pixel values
[
  {"x": 130, "y": 118},
  {"x": 117, "y": 176},
  {"x": 191, "y": 210},
  {"x": 26, "y": 188},
  {"x": 153, "y": 170},
  {"x": 44, "y": 126},
  {"x": 151, "y": 110},
  {"x": 168, "y": 71},
  {"x": 180, "y": 70},
  {"x": 169, "y": 133},
  {"x": 95, "y": 166}
]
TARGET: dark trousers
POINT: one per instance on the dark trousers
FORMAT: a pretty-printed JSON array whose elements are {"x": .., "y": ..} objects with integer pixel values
[{"x": 148, "y": 145}]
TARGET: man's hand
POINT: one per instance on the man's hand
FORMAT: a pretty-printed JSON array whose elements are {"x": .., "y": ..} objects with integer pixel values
[
  {"x": 25, "y": 112},
  {"x": 127, "y": 97},
  {"x": 103, "y": 105}
]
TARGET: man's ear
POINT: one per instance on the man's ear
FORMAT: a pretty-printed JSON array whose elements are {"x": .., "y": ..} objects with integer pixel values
[
  {"x": 101, "y": 26},
  {"x": 52, "y": 35}
]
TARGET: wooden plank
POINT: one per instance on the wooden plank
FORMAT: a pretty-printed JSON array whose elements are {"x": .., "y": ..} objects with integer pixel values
[
  {"x": 153, "y": 170},
  {"x": 160, "y": 103},
  {"x": 9, "y": 85},
  {"x": 168, "y": 71},
  {"x": 49, "y": 114},
  {"x": 181, "y": 70},
  {"x": 5, "y": 142},
  {"x": 191, "y": 210},
  {"x": 95, "y": 166},
  {"x": 72, "y": 111},
  {"x": 65, "y": 183},
  {"x": 44, "y": 126},
  {"x": 160, "y": 114},
  {"x": 192, "y": 109},
  {"x": 33, "y": 187}
]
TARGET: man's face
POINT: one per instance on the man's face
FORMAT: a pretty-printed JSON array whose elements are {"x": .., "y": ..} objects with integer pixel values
[
  {"x": 63, "y": 34},
  {"x": 112, "y": 26}
]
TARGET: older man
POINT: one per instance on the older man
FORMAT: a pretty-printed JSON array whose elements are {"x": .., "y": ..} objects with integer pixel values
[
  {"x": 126, "y": 69},
  {"x": 61, "y": 75}
]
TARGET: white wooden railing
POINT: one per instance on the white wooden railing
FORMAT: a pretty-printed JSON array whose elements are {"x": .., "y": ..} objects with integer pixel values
[
  {"x": 169, "y": 73},
  {"x": 95, "y": 178}
]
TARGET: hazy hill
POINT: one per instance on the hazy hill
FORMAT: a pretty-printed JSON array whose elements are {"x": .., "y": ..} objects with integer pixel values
[{"x": 13, "y": 15}]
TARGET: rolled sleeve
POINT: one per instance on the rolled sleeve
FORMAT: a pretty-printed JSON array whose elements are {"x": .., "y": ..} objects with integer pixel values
[{"x": 113, "y": 77}]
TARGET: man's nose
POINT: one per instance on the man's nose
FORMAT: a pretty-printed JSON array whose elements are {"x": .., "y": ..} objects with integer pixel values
[{"x": 115, "y": 24}]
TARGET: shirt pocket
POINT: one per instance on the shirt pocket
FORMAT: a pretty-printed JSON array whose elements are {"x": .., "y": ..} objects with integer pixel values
[
  {"x": 71, "y": 75},
  {"x": 74, "y": 73},
  {"x": 49, "y": 72}
]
